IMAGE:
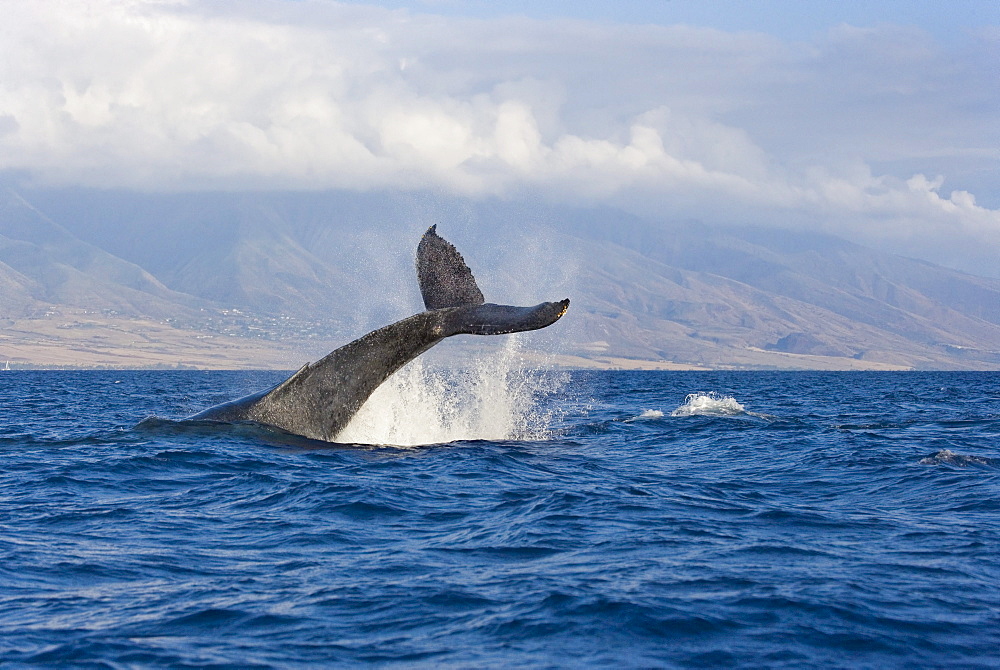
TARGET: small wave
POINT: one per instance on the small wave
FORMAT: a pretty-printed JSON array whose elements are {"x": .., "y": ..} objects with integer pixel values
[
  {"x": 647, "y": 415},
  {"x": 949, "y": 457},
  {"x": 709, "y": 404}
]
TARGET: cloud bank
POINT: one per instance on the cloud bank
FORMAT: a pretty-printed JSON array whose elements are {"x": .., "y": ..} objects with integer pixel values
[{"x": 857, "y": 132}]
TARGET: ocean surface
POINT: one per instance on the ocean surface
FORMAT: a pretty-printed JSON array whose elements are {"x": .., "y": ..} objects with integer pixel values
[{"x": 525, "y": 519}]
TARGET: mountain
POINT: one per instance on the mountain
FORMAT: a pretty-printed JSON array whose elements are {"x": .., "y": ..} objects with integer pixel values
[
  {"x": 703, "y": 318},
  {"x": 43, "y": 267},
  {"x": 335, "y": 264},
  {"x": 302, "y": 255},
  {"x": 802, "y": 293}
]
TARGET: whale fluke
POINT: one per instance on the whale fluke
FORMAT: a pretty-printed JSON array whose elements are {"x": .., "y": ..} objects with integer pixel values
[
  {"x": 490, "y": 319},
  {"x": 320, "y": 399},
  {"x": 445, "y": 279}
]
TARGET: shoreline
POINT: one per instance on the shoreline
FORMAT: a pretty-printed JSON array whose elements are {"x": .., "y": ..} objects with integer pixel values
[{"x": 80, "y": 341}]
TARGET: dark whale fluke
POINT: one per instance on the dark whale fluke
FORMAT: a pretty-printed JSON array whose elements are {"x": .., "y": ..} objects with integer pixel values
[
  {"x": 319, "y": 400},
  {"x": 445, "y": 279}
]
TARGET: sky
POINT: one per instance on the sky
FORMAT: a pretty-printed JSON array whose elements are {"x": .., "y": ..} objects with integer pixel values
[{"x": 874, "y": 121}]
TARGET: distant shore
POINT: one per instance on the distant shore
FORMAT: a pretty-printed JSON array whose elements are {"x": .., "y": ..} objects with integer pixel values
[{"x": 85, "y": 342}]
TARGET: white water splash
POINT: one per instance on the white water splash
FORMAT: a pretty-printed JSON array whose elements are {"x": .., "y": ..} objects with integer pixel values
[
  {"x": 495, "y": 398},
  {"x": 709, "y": 404},
  {"x": 647, "y": 415}
]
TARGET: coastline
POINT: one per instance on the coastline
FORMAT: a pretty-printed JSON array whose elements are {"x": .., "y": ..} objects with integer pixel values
[{"x": 84, "y": 341}]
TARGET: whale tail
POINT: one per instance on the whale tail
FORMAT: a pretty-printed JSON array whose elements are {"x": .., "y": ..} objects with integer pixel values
[
  {"x": 320, "y": 399},
  {"x": 447, "y": 282}
]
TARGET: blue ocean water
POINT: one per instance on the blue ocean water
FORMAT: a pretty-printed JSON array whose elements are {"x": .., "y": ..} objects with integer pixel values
[{"x": 628, "y": 519}]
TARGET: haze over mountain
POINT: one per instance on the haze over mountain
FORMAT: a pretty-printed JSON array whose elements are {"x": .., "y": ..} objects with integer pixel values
[
  {"x": 335, "y": 264},
  {"x": 42, "y": 265}
]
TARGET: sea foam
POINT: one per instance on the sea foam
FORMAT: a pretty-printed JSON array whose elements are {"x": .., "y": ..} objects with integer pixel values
[{"x": 709, "y": 404}]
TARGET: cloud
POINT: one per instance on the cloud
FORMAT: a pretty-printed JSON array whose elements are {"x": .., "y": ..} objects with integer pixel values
[{"x": 678, "y": 121}]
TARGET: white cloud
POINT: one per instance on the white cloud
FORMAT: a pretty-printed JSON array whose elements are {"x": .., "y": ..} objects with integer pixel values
[{"x": 681, "y": 121}]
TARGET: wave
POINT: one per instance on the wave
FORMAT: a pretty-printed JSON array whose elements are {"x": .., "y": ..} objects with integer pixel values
[
  {"x": 709, "y": 404},
  {"x": 647, "y": 415},
  {"x": 948, "y": 457}
]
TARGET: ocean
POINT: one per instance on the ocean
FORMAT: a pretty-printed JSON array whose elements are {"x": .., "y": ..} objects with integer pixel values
[{"x": 523, "y": 518}]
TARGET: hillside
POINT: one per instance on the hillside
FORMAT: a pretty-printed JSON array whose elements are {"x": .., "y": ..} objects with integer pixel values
[{"x": 43, "y": 267}]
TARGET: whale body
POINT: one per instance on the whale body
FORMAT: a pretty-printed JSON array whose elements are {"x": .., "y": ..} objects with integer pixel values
[{"x": 320, "y": 399}]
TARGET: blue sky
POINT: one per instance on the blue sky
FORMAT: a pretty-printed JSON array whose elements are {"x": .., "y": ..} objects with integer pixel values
[
  {"x": 786, "y": 19},
  {"x": 873, "y": 121}
]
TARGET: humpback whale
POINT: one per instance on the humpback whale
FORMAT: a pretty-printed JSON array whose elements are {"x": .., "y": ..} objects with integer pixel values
[{"x": 319, "y": 400}]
